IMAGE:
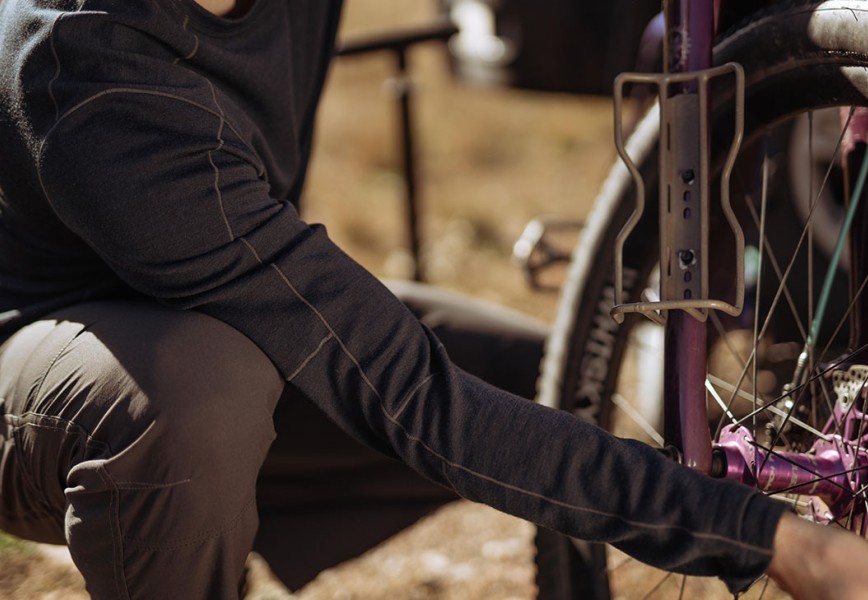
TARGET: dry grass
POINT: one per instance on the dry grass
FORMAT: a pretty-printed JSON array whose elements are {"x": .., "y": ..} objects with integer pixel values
[{"x": 28, "y": 572}]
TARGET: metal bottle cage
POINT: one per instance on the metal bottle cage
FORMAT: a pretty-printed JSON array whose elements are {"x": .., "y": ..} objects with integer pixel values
[{"x": 672, "y": 110}]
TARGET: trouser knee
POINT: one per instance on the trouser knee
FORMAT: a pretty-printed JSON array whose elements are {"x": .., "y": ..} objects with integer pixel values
[
  {"x": 192, "y": 413},
  {"x": 144, "y": 429}
]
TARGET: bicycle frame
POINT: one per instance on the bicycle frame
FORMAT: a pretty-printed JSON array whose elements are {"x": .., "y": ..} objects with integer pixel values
[
  {"x": 685, "y": 347},
  {"x": 836, "y": 466}
]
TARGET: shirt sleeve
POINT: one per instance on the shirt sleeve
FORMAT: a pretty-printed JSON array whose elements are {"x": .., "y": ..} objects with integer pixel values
[{"x": 177, "y": 204}]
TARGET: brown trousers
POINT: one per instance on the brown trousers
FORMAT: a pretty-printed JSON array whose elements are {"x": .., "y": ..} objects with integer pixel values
[{"x": 163, "y": 446}]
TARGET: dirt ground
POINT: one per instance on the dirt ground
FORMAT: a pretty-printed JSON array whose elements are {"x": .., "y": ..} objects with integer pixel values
[{"x": 489, "y": 160}]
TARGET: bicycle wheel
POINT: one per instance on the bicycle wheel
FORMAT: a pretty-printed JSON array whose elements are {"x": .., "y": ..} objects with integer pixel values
[{"x": 797, "y": 57}]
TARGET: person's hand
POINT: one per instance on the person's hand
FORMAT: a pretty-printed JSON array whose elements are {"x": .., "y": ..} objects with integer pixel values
[{"x": 814, "y": 562}]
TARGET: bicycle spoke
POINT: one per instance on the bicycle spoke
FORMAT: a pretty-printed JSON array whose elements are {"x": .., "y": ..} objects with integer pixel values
[
  {"x": 782, "y": 277},
  {"x": 715, "y": 381},
  {"x": 719, "y": 400},
  {"x": 637, "y": 418},
  {"x": 810, "y": 228},
  {"x": 759, "y": 279}
]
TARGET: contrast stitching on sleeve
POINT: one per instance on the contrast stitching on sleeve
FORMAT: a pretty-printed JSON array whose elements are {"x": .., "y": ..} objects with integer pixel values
[
  {"x": 328, "y": 326},
  {"x": 218, "y": 148},
  {"x": 56, "y": 68},
  {"x": 195, "y": 49},
  {"x": 555, "y": 502},
  {"x": 105, "y": 95},
  {"x": 310, "y": 357},
  {"x": 409, "y": 396},
  {"x": 322, "y": 320},
  {"x": 145, "y": 92},
  {"x": 189, "y": 56},
  {"x": 252, "y": 250}
]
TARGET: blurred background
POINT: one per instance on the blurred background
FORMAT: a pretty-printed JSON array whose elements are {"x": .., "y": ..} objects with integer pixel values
[{"x": 489, "y": 159}]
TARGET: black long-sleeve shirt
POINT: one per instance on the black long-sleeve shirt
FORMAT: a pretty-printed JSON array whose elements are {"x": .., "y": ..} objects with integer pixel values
[{"x": 151, "y": 148}]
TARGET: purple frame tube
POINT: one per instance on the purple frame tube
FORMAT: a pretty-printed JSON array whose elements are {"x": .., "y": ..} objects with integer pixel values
[{"x": 687, "y": 47}]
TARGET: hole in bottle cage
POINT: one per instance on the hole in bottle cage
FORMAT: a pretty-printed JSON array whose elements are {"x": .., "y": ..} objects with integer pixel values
[{"x": 686, "y": 258}]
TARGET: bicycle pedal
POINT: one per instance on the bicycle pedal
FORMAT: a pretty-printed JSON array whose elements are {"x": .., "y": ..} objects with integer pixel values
[{"x": 536, "y": 250}]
